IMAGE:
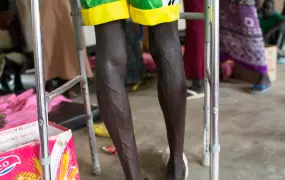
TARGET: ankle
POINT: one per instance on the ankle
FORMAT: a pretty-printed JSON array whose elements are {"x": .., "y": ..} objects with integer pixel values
[
  {"x": 135, "y": 177},
  {"x": 199, "y": 83},
  {"x": 263, "y": 79},
  {"x": 176, "y": 160},
  {"x": 197, "y": 86},
  {"x": 176, "y": 169}
]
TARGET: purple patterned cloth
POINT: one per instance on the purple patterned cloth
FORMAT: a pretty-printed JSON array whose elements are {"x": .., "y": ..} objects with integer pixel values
[{"x": 241, "y": 37}]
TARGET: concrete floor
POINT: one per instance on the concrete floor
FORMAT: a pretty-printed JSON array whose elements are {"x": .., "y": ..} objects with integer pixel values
[{"x": 252, "y": 136}]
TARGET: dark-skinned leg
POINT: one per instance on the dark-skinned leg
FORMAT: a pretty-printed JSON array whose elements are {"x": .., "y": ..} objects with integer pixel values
[
  {"x": 263, "y": 79},
  {"x": 112, "y": 96},
  {"x": 166, "y": 51}
]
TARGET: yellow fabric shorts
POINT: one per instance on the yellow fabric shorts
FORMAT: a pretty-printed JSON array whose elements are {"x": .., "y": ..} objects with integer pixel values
[{"x": 144, "y": 12}]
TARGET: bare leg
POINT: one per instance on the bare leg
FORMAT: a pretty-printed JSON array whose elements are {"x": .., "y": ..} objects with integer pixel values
[
  {"x": 166, "y": 51},
  {"x": 112, "y": 96},
  {"x": 263, "y": 79}
]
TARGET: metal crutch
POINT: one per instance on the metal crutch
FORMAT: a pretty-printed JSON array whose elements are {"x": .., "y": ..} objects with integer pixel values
[
  {"x": 41, "y": 96},
  {"x": 215, "y": 64},
  {"x": 43, "y": 100},
  {"x": 207, "y": 90},
  {"x": 211, "y": 100},
  {"x": 77, "y": 27},
  {"x": 206, "y": 107}
]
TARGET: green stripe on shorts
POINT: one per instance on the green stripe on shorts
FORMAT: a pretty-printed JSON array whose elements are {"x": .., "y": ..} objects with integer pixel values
[
  {"x": 152, "y": 4},
  {"x": 146, "y": 4},
  {"x": 86, "y": 4}
]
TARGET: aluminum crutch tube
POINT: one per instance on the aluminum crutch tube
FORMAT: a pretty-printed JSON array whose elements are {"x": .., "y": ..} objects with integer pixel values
[
  {"x": 215, "y": 146},
  {"x": 41, "y": 95},
  {"x": 76, "y": 17},
  {"x": 207, "y": 34}
]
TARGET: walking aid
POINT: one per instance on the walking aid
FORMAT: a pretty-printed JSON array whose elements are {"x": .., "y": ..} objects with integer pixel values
[
  {"x": 211, "y": 101},
  {"x": 211, "y": 83},
  {"x": 43, "y": 100}
]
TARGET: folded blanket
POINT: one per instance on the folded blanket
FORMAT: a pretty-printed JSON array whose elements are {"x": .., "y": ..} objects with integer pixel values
[{"x": 22, "y": 108}]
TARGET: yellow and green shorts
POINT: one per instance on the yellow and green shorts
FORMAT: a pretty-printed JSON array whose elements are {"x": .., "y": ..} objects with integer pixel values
[{"x": 144, "y": 12}]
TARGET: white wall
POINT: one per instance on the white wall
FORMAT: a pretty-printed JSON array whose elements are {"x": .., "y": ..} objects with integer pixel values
[{"x": 89, "y": 32}]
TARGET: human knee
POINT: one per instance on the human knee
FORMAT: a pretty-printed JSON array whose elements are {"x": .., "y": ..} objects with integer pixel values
[
  {"x": 162, "y": 33},
  {"x": 111, "y": 70},
  {"x": 117, "y": 58},
  {"x": 111, "y": 45},
  {"x": 112, "y": 57}
]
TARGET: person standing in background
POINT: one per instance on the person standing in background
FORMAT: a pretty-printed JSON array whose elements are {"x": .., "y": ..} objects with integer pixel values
[
  {"x": 12, "y": 55},
  {"x": 135, "y": 66},
  {"x": 241, "y": 41},
  {"x": 194, "y": 50},
  {"x": 272, "y": 24}
]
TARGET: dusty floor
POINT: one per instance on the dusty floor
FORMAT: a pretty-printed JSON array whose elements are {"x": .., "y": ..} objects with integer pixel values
[{"x": 252, "y": 135}]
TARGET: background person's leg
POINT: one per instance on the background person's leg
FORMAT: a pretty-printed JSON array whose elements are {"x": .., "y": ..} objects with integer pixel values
[
  {"x": 112, "y": 96},
  {"x": 166, "y": 51},
  {"x": 135, "y": 66},
  {"x": 194, "y": 49}
]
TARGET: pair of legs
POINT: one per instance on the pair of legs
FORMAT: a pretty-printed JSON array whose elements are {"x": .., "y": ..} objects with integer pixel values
[{"x": 113, "y": 98}]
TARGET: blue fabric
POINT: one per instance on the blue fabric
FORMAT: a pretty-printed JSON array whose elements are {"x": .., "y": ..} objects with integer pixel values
[
  {"x": 258, "y": 89},
  {"x": 281, "y": 60},
  {"x": 141, "y": 32}
]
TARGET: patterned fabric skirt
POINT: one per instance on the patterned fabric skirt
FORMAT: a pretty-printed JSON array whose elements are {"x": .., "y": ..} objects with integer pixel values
[{"x": 241, "y": 38}]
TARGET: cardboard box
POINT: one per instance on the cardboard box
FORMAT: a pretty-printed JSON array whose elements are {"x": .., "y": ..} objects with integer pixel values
[
  {"x": 244, "y": 74},
  {"x": 20, "y": 152}
]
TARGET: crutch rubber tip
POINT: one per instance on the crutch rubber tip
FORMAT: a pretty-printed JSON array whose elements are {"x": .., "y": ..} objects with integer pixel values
[
  {"x": 206, "y": 162},
  {"x": 97, "y": 171}
]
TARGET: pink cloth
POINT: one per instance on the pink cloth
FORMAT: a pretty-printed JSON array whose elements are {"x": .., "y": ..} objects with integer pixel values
[
  {"x": 149, "y": 63},
  {"x": 23, "y": 108}
]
